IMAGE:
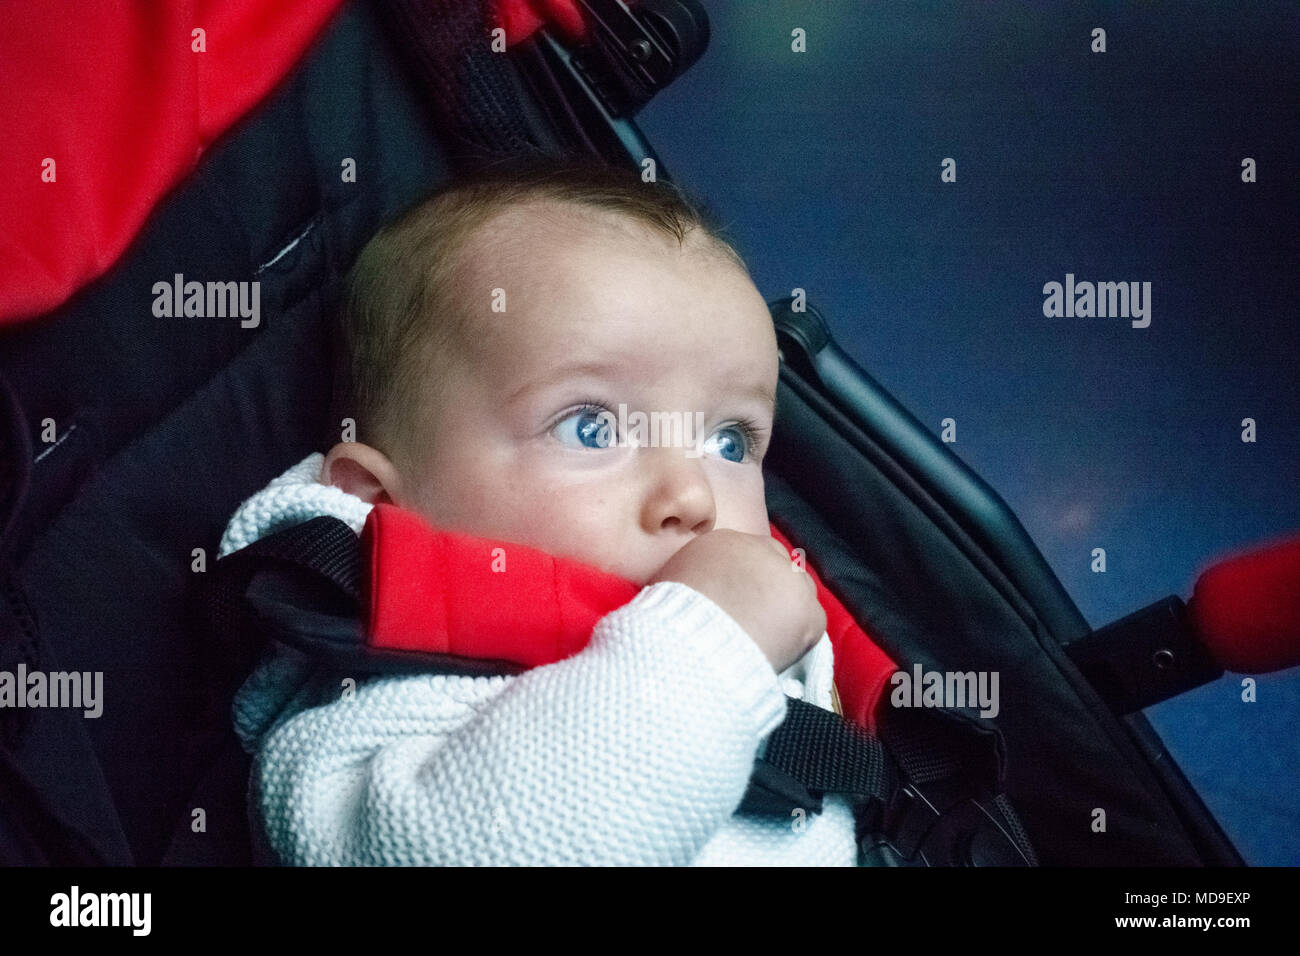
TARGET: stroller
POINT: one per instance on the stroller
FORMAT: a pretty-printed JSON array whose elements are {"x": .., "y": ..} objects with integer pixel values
[{"x": 166, "y": 426}]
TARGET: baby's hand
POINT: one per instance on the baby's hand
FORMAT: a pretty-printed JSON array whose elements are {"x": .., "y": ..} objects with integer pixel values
[{"x": 752, "y": 578}]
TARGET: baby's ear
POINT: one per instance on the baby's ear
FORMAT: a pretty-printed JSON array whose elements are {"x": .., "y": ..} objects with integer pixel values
[{"x": 362, "y": 471}]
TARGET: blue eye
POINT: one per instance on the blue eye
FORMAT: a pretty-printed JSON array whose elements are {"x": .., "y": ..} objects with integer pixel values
[
  {"x": 730, "y": 442},
  {"x": 589, "y": 427}
]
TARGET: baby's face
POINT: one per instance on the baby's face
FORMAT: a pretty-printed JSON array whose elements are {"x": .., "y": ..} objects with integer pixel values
[{"x": 598, "y": 315}]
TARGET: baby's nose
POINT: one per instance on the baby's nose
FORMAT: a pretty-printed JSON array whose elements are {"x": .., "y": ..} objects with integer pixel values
[{"x": 679, "y": 497}]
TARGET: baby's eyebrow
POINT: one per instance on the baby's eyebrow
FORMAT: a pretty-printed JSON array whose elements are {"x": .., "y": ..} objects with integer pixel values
[
  {"x": 758, "y": 393},
  {"x": 595, "y": 369},
  {"x": 609, "y": 370}
]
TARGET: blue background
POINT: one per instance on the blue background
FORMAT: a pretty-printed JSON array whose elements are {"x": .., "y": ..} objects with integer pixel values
[{"x": 824, "y": 167}]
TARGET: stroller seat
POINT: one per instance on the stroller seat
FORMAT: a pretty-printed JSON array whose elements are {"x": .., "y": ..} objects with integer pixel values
[{"x": 165, "y": 425}]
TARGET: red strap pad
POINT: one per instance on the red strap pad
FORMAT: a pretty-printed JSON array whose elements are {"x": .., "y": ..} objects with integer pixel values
[
  {"x": 452, "y": 593},
  {"x": 446, "y": 592}
]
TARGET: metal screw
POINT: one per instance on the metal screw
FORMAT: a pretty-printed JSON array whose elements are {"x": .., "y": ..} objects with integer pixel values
[
  {"x": 1163, "y": 659},
  {"x": 640, "y": 50}
]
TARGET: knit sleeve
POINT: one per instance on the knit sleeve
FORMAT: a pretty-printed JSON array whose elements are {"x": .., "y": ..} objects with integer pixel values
[{"x": 631, "y": 752}]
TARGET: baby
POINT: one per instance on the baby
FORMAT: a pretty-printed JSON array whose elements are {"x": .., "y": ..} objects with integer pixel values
[{"x": 490, "y": 335}]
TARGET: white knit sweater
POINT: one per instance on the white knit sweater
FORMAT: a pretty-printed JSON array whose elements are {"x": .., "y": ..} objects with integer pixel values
[{"x": 635, "y": 751}]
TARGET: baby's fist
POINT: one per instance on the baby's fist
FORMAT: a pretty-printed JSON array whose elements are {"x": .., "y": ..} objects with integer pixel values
[{"x": 752, "y": 578}]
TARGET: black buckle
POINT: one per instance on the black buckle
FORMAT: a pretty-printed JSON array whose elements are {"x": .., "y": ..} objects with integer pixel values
[{"x": 914, "y": 832}]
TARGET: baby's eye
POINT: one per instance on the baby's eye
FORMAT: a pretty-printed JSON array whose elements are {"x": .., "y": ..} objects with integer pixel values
[
  {"x": 730, "y": 442},
  {"x": 589, "y": 427}
]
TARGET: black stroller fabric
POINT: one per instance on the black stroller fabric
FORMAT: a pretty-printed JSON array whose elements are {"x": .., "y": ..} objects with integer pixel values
[
  {"x": 165, "y": 425},
  {"x": 169, "y": 424}
]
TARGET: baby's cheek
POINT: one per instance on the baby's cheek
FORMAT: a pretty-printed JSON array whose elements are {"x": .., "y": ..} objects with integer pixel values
[
  {"x": 741, "y": 504},
  {"x": 588, "y": 527},
  {"x": 473, "y": 503}
]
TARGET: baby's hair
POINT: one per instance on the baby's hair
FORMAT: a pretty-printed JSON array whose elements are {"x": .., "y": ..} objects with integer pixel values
[{"x": 398, "y": 308}]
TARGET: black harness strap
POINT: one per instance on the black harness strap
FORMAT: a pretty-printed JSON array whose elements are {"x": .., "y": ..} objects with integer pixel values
[
  {"x": 814, "y": 752},
  {"x": 324, "y": 546},
  {"x": 930, "y": 797},
  {"x": 324, "y": 549}
]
